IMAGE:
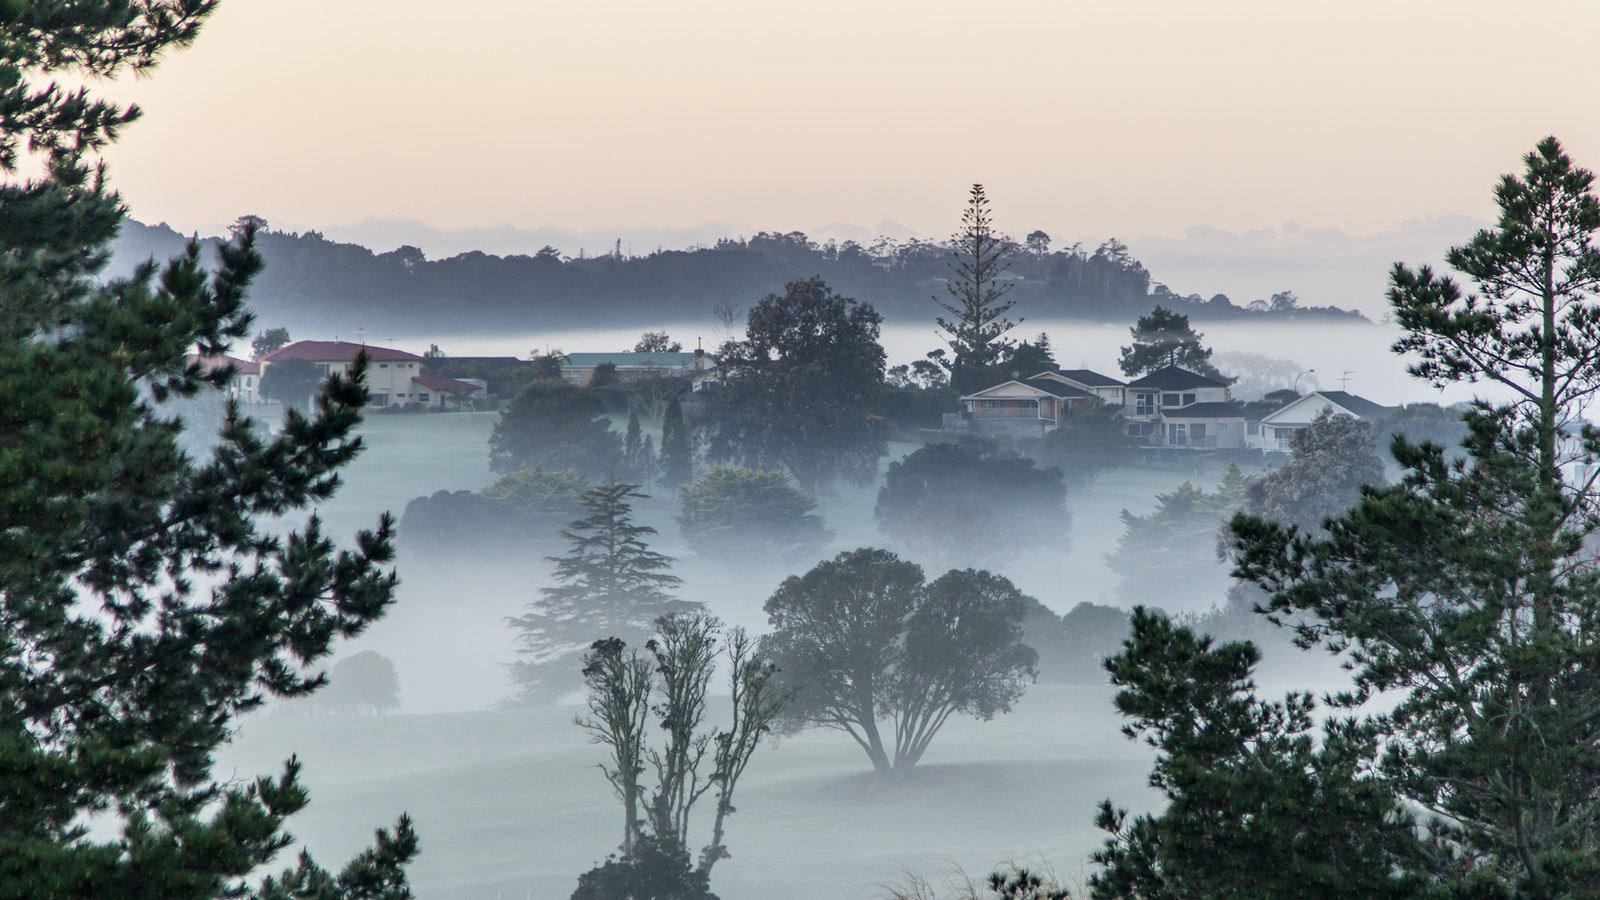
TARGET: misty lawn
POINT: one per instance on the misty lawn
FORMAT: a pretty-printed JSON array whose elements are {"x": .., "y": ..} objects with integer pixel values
[
  {"x": 447, "y": 632},
  {"x": 509, "y": 803}
]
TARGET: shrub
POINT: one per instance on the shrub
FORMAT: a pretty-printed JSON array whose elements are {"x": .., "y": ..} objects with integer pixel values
[
  {"x": 546, "y": 499},
  {"x": 741, "y": 514}
]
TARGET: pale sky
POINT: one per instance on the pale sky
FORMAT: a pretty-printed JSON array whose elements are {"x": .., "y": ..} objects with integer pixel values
[{"x": 1117, "y": 117}]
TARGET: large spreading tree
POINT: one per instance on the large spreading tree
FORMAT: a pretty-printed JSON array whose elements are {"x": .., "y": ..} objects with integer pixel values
[
  {"x": 799, "y": 390},
  {"x": 865, "y": 640},
  {"x": 142, "y": 607},
  {"x": 975, "y": 331}
]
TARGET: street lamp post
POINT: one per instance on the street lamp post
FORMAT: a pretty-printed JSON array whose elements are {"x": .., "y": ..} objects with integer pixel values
[{"x": 1297, "y": 380}]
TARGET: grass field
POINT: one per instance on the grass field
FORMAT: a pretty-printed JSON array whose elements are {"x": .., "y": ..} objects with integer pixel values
[{"x": 509, "y": 805}]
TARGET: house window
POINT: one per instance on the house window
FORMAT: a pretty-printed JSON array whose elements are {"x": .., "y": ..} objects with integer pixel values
[
  {"x": 1144, "y": 404},
  {"x": 325, "y": 369},
  {"x": 1188, "y": 399},
  {"x": 380, "y": 400},
  {"x": 383, "y": 365},
  {"x": 1197, "y": 433},
  {"x": 422, "y": 398},
  {"x": 1177, "y": 434},
  {"x": 1169, "y": 399},
  {"x": 1252, "y": 428}
]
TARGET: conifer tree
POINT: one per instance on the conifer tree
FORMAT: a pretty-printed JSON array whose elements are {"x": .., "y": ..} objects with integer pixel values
[
  {"x": 1165, "y": 338},
  {"x": 611, "y": 584},
  {"x": 633, "y": 446},
  {"x": 977, "y": 303},
  {"x": 1467, "y": 591},
  {"x": 649, "y": 461},
  {"x": 142, "y": 608},
  {"x": 677, "y": 453}
]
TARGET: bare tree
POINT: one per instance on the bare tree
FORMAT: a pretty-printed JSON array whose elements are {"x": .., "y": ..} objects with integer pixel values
[
  {"x": 627, "y": 689},
  {"x": 619, "y": 703}
]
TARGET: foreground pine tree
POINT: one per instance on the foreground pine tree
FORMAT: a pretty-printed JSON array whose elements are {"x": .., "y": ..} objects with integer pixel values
[
  {"x": 141, "y": 607},
  {"x": 1467, "y": 594}
]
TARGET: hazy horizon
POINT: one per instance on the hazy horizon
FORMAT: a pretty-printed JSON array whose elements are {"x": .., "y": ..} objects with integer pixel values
[{"x": 1142, "y": 121}]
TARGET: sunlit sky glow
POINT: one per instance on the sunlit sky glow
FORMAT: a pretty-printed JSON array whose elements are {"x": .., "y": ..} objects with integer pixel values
[{"x": 1134, "y": 118}]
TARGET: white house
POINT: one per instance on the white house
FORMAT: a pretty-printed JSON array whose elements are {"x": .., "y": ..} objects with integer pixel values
[
  {"x": 1279, "y": 425},
  {"x": 1027, "y": 408},
  {"x": 1170, "y": 408},
  {"x": 393, "y": 376},
  {"x": 1108, "y": 389},
  {"x": 1173, "y": 407}
]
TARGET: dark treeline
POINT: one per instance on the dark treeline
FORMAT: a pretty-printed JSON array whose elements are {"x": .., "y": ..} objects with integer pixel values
[{"x": 311, "y": 281}]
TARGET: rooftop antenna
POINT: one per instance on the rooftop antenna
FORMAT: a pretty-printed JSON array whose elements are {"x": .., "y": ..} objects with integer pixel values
[
  {"x": 1344, "y": 379},
  {"x": 361, "y": 335}
]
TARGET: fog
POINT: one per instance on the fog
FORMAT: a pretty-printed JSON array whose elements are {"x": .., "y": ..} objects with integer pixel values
[
  {"x": 509, "y": 801},
  {"x": 1332, "y": 349}
]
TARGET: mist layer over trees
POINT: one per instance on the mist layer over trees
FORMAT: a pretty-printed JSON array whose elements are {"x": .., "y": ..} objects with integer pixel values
[{"x": 625, "y": 537}]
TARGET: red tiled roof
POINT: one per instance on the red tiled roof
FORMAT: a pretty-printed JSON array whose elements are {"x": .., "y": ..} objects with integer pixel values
[
  {"x": 338, "y": 351},
  {"x": 212, "y": 363},
  {"x": 436, "y": 382}
]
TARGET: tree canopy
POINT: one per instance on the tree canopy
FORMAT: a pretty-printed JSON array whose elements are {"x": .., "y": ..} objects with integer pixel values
[
  {"x": 669, "y": 685},
  {"x": 1165, "y": 338},
  {"x": 864, "y": 638},
  {"x": 1169, "y": 554},
  {"x": 292, "y": 382},
  {"x": 143, "y": 605},
  {"x": 977, "y": 306},
  {"x": 1092, "y": 440},
  {"x": 610, "y": 584},
  {"x": 555, "y": 425},
  {"x": 267, "y": 341},
  {"x": 1331, "y": 460},
  {"x": 1466, "y": 592},
  {"x": 972, "y": 505},
  {"x": 316, "y": 284},
  {"x": 799, "y": 390},
  {"x": 747, "y": 516}
]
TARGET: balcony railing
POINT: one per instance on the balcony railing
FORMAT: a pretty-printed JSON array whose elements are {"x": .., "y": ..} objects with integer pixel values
[{"x": 1007, "y": 412}]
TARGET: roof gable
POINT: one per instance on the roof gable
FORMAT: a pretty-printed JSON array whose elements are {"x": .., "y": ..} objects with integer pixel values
[
  {"x": 1054, "y": 387},
  {"x": 209, "y": 364},
  {"x": 1306, "y": 408},
  {"x": 436, "y": 382},
  {"x": 337, "y": 351},
  {"x": 1173, "y": 378},
  {"x": 1089, "y": 378},
  {"x": 1019, "y": 389}
]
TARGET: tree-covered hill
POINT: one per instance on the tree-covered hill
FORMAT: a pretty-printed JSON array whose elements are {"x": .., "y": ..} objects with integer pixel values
[{"x": 311, "y": 282}]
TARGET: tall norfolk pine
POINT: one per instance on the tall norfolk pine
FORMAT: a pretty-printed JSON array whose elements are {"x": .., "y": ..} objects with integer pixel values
[
  {"x": 1466, "y": 589},
  {"x": 977, "y": 304}
]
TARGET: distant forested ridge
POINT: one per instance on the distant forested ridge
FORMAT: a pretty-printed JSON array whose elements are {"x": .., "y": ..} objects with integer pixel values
[{"x": 311, "y": 282}]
